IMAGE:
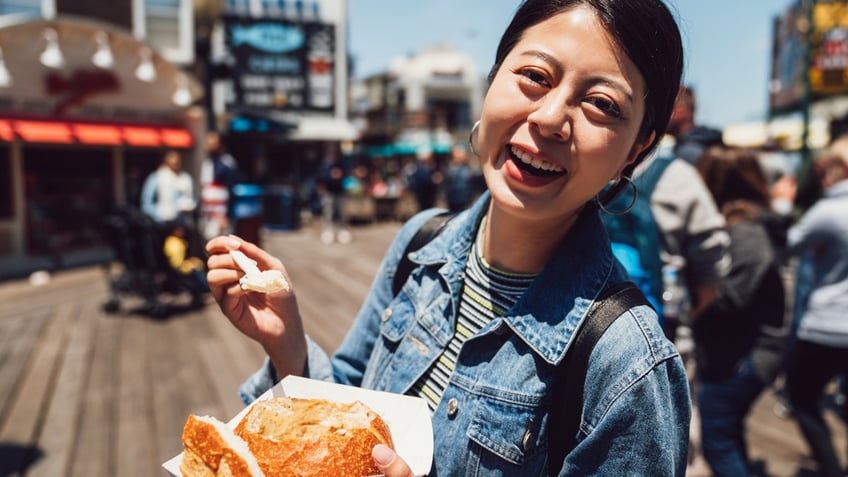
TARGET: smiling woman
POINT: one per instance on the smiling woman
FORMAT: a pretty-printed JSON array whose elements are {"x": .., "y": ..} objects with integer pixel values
[{"x": 580, "y": 93}]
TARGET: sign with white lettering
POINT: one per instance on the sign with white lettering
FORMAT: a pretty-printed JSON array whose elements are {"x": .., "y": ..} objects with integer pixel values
[{"x": 281, "y": 64}]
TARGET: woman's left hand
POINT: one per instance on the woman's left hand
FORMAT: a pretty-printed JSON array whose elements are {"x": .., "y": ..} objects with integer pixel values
[{"x": 389, "y": 463}]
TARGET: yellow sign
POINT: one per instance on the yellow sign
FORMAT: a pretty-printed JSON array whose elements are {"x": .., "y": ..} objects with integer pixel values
[{"x": 829, "y": 62}]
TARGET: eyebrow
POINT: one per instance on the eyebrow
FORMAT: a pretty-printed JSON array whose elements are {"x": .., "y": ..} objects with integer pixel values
[{"x": 560, "y": 69}]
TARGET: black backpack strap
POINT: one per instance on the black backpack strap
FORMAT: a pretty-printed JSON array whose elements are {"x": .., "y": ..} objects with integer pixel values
[
  {"x": 570, "y": 376},
  {"x": 431, "y": 228}
]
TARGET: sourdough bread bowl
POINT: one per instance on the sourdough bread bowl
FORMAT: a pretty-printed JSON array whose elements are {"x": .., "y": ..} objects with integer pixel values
[{"x": 298, "y": 437}]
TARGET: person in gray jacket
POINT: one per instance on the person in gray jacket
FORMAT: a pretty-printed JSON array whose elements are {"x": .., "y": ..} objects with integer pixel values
[
  {"x": 693, "y": 235},
  {"x": 820, "y": 351}
]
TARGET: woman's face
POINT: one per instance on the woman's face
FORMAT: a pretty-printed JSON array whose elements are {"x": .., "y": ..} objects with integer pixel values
[{"x": 561, "y": 117}]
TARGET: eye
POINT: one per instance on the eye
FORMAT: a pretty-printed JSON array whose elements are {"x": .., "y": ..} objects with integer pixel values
[
  {"x": 534, "y": 76},
  {"x": 605, "y": 106}
]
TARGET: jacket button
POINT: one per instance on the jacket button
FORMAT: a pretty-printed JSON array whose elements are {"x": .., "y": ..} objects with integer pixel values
[
  {"x": 386, "y": 315},
  {"x": 525, "y": 442},
  {"x": 453, "y": 407}
]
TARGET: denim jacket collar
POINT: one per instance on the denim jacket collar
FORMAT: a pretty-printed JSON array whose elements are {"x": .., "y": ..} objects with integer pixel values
[{"x": 554, "y": 306}]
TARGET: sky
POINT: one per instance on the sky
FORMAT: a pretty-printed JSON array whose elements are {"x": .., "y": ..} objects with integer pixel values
[{"x": 726, "y": 43}]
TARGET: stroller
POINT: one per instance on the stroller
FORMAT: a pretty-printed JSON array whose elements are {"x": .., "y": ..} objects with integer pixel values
[{"x": 137, "y": 243}]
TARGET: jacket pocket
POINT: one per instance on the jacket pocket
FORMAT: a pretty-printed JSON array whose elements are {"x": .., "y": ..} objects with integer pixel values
[{"x": 509, "y": 429}]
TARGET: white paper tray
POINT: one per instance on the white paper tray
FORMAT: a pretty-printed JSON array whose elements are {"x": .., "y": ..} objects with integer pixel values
[{"x": 407, "y": 417}]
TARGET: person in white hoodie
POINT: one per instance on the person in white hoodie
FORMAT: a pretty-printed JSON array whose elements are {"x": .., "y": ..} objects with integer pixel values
[{"x": 820, "y": 351}]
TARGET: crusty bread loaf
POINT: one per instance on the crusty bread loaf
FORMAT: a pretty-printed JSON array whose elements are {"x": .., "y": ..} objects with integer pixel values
[
  {"x": 289, "y": 437},
  {"x": 213, "y": 450},
  {"x": 313, "y": 437}
]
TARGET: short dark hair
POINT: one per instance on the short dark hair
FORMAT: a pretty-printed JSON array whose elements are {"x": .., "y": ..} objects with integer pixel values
[{"x": 648, "y": 33}]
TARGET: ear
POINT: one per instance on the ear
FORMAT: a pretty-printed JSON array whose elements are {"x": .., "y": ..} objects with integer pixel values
[{"x": 637, "y": 149}]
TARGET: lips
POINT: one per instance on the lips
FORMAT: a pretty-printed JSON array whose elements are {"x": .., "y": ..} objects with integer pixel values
[{"x": 532, "y": 165}]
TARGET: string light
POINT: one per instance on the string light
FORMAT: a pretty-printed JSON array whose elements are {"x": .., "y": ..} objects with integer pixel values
[
  {"x": 5, "y": 77},
  {"x": 182, "y": 96},
  {"x": 103, "y": 57},
  {"x": 146, "y": 71},
  {"x": 52, "y": 57}
]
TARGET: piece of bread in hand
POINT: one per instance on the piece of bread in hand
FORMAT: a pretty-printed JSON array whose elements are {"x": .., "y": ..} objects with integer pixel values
[
  {"x": 212, "y": 449},
  {"x": 313, "y": 437},
  {"x": 265, "y": 281}
]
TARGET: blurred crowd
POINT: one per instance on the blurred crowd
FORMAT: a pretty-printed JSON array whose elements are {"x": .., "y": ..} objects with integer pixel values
[{"x": 764, "y": 274}]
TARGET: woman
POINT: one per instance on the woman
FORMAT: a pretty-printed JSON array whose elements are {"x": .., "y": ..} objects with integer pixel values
[
  {"x": 580, "y": 93},
  {"x": 740, "y": 337}
]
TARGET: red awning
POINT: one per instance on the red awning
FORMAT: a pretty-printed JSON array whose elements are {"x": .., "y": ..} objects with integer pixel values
[
  {"x": 43, "y": 131},
  {"x": 6, "y": 132},
  {"x": 66, "y": 132}
]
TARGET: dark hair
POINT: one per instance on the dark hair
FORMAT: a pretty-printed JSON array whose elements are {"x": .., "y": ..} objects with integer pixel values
[
  {"x": 736, "y": 181},
  {"x": 648, "y": 33}
]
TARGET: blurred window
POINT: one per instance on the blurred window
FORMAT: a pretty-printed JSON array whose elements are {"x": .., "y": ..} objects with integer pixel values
[
  {"x": 30, "y": 7},
  {"x": 116, "y": 13},
  {"x": 167, "y": 26},
  {"x": 163, "y": 23}
]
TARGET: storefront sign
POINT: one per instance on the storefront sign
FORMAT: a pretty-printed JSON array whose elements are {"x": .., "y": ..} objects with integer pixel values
[
  {"x": 281, "y": 64},
  {"x": 829, "y": 65}
]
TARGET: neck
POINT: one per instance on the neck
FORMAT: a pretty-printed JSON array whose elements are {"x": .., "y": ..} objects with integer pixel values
[{"x": 518, "y": 245}]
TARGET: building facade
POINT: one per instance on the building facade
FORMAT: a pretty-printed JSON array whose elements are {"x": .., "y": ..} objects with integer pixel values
[
  {"x": 91, "y": 95},
  {"x": 427, "y": 100}
]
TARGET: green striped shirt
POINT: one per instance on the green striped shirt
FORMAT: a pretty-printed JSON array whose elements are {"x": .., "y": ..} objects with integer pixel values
[{"x": 486, "y": 293}]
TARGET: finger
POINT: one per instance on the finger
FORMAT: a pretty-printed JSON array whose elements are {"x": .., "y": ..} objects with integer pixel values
[
  {"x": 263, "y": 259},
  {"x": 222, "y": 260},
  {"x": 223, "y": 244},
  {"x": 389, "y": 463},
  {"x": 223, "y": 281}
]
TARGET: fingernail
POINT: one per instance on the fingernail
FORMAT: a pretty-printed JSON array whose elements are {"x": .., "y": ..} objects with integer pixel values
[{"x": 383, "y": 455}]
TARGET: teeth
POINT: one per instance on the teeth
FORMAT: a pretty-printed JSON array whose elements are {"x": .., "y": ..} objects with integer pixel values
[{"x": 535, "y": 162}]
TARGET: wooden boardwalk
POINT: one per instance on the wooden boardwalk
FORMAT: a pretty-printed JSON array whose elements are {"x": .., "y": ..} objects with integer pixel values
[{"x": 85, "y": 393}]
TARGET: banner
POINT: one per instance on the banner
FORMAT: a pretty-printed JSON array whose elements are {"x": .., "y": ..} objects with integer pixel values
[
  {"x": 281, "y": 64},
  {"x": 786, "y": 87}
]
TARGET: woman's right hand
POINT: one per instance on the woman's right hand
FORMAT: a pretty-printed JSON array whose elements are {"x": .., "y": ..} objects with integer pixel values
[{"x": 271, "y": 319}]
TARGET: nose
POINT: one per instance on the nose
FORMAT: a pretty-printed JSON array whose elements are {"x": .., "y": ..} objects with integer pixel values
[{"x": 552, "y": 118}]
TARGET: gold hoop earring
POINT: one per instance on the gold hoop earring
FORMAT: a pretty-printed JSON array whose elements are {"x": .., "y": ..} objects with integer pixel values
[
  {"x": 629, "y": 207},
  {"x": 472, "y": 137}
]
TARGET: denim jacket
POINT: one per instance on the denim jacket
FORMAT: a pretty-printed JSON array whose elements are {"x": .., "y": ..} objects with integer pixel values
[{"x": 493, "y": 418}]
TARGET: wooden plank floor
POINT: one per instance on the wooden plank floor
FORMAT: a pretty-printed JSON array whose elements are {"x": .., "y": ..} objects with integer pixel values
[{"x": 85, "y": 393}]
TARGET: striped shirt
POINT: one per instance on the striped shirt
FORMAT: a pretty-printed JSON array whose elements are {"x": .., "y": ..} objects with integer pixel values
[{"x": 486, "y": 293}]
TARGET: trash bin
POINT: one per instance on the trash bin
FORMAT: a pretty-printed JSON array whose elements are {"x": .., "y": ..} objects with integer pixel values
[
  {"x": 247, "y": 211},
  {"x": 281, "y": 208}
]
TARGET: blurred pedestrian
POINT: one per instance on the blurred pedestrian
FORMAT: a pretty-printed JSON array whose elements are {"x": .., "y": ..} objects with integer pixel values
[
  {"x": 691, "y": 139},
  {"x": 580, "y": 93},
  {"x": 219, "y": 174},
  {"x": 425, "y": 179},
  {"x": 693, "y": 245},
  {"x": 740, "y": 337},
  {"x": 458, "y": 180},
  {"x": 191, "y": 269},
  {"x": 168, "y": 193},
  {"x": 693, "y": 240},
  {"x": 331, "y": 190},
  {"x": 820, "y": 351}
]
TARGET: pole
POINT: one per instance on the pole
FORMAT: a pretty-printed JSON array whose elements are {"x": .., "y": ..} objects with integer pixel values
[{"x": 807, "y": 94}]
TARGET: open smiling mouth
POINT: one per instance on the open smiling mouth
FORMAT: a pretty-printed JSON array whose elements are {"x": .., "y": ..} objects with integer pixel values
[{"x": 533, "y": 165}]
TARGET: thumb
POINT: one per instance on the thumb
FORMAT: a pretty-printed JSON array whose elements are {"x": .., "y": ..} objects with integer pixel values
[{"x": 389, "y": 463}]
